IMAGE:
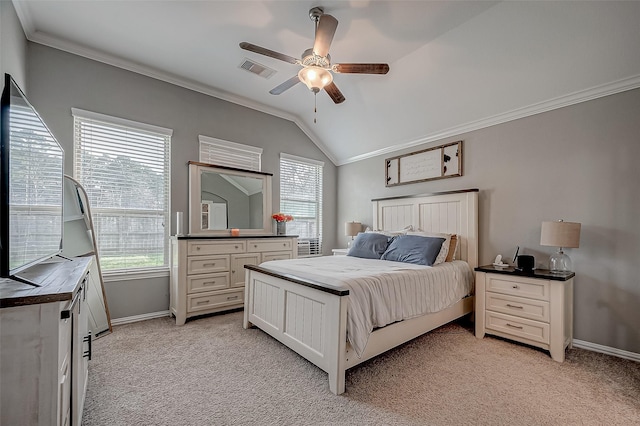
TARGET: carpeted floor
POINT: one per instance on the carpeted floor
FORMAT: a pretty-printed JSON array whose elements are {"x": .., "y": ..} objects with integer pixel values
[{"x": 213, "y": 372}]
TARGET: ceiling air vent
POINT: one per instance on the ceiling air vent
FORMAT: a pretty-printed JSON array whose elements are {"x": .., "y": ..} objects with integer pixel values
[{"x": 256, "y": 68}]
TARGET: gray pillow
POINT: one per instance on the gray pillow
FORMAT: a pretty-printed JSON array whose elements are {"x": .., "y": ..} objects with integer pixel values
[
  {"x": 414, "y": 249},
  {"x": 369, "y": 245}
]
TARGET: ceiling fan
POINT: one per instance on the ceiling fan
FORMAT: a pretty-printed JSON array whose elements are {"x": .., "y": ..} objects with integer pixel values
[{"x": 316, "y": 61}]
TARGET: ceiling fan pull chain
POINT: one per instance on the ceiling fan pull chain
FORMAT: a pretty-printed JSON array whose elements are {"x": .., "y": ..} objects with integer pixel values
[{"x": 315, "y": 107}]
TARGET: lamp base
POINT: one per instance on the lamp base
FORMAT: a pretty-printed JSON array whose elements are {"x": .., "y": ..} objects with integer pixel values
[{"x": 559, "y": 263}]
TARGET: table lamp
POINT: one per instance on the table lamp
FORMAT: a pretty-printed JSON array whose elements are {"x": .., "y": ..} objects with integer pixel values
[
  {"x": 351, "y": 229},
  {"x": 560, "y": 234}
]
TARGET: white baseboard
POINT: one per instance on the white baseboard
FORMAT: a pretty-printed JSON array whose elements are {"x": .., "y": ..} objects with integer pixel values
[
  {"x": 606, "y": 350},
  {"x": 136, "y": 318}
]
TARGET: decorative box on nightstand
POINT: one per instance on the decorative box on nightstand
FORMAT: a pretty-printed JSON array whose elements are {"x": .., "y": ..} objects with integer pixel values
[
  {"x": 535, "y": 308},
  {"x": 340, "y": 252}
]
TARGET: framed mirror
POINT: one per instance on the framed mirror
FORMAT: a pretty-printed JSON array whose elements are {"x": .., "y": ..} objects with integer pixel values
[{"x": 224, "y": 198}]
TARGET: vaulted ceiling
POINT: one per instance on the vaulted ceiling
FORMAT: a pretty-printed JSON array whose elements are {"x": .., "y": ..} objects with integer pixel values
[{"x": 455, "y": 66}]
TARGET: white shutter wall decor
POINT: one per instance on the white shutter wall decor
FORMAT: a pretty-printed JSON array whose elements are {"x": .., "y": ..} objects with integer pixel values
[
  {"x": 125, "y": 167},
  {"x": 301, "y": 197},
  {"x": 229, "y": 154}
]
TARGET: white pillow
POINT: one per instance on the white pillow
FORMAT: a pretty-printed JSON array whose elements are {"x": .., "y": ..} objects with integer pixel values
[
  {"x": 444, "y": 250},
  {"x": 394, "y": 233}
]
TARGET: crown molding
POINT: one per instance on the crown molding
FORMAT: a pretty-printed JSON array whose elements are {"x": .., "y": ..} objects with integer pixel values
[{"x": 600, "y": 91}]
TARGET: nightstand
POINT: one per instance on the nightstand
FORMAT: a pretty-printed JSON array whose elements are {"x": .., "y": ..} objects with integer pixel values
[
  {"x": 535, "y": 308},
  {"x": 340, "y": 252}
]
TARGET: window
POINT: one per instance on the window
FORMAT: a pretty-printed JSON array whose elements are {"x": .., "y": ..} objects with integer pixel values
[
  {"x": 229, "y": 154},
  {"x": 125, "y": 168},
  {"x": 301, "y": 197}
]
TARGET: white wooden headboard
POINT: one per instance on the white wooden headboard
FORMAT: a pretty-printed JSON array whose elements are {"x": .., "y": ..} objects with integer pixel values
[{"x": 449, "y": 212}]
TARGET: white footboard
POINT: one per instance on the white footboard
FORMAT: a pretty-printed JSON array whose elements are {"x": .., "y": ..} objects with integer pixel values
[{"x": 310, "y": 321}]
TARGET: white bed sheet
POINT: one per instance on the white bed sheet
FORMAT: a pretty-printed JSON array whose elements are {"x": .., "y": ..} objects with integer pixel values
[{"x": 382, "y": 292}]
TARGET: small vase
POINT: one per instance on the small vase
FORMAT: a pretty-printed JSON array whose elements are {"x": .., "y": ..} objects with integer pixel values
[{"x": 281, "y": 228}]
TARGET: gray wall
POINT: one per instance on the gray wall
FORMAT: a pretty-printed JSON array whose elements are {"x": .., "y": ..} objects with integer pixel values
[
  {"x": 578, "y": 163},
  {"x": 59, "y": 81},
  {"x": 13, "y": 46}
]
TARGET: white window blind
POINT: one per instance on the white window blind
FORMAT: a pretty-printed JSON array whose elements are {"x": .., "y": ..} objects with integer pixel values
[
  {"x": 301, "y": 197},
  {"x": 125, "y": 168},
  {"x": 229, "y": 154}
]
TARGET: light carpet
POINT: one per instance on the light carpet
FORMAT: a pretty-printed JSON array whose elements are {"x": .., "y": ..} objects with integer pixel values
[{"x": 213, "y": 372}]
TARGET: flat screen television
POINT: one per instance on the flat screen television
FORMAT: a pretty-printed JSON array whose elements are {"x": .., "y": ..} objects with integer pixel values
[{"x": 31, "y": 185}]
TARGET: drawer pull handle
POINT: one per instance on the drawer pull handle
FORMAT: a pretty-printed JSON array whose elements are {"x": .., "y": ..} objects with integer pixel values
[
  {"x": 514, "y": 306},
  {"x": 255, "y": 245},
  {"x": 197, "y": 247},
  {"x": 236, "y": 246},
  {"x": 209, "y": 283},
  {"x": 515, "y": 286},
  {"x": 202, "y": 302},
  {"x": 515, "y": 326},
  {"x": 232, "y": 297},
  {"x": 205, "y": 265}
]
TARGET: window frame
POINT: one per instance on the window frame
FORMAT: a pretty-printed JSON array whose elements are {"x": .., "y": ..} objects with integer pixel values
[
  {"x": 143, "y": 272},
  {"x": 305, "y": 241}
]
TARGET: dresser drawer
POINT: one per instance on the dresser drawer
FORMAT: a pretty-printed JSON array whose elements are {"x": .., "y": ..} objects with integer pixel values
[
  {"x": 203, "y": 302},
  {"x": 207, "y": 264},
  {"x": 268, "y": 245},
  {"x": 276, "y": 255},
  {"x": 215, "y": 247},
  {"x": 525, "y": 308},
  {"x": 518, "y": 286},
  {"x": 520, "y": 327},
  {"x": 200, "y": 283}
]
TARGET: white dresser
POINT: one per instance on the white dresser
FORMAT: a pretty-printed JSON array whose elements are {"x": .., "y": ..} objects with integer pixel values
[
  {"x": 207, "y": 274},
  {"x": 536, "y": 308},
  {"x": 46, "y": 345}
]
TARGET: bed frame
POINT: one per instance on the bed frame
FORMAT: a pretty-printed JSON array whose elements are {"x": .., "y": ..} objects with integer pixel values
[{"x": 311, "y": 319}]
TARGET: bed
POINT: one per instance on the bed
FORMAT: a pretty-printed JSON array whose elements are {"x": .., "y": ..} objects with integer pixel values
[{"x": 310, "y": 316}]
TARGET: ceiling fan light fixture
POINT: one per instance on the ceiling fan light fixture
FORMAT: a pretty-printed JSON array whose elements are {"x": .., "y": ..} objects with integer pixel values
[{"x": 316, "y": 78}]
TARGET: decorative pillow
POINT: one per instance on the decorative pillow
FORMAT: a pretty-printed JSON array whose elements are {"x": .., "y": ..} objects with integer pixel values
[
  {"x": 453, "y": 247},
  {"x": 416, "y": 249},
  {"x": 444, "y": 250},
  {"x": 369, "y": 245}
]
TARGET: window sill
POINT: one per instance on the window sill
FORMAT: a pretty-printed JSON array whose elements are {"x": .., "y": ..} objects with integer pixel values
[{"x": 135, "y": 274}]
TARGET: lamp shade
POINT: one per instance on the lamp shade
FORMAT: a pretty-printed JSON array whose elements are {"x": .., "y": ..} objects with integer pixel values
[
  {"x": 315, "y": 77},
  {"x": 351, "y": 229},
  {"x": 560, "y": 234}
]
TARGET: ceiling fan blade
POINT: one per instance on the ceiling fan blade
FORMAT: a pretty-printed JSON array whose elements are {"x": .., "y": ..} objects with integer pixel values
[
  {"x": 262, "y": 51},
  {"x": 285, "y": 86},
  {"x": 324, "y": 34},
  {"x": 334, "y": 93},
  {"x": 361, "y": 68}
]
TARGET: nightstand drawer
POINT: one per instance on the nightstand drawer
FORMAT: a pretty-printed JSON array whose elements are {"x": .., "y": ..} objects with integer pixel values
[
  {"x": 521, "y": 327},
  {"x": 525, "y": 308},
  {"x": 518, "y": 286},
  {"x": 213, "y": 300},
  {"x": 207, "y": 282},
  {"x": 268, "y": 245},
  {"x": 207, "y": 264},
  {"x": 215, "y": 247}
]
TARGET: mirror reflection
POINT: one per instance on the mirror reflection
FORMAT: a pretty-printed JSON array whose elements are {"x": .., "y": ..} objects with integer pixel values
[{"x": 228, "y": 201}]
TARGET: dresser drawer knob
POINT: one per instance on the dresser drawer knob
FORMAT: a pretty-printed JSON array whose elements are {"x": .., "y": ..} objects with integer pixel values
[
  {"x": 514, "y": 306},
  {"x": 515, "y": 286},
  {"x": 236, "y": 246},
  {"x": 515, "y": 326},
  {"x": 197, "y": 247},
  {"x": 255, "y": 246}
]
